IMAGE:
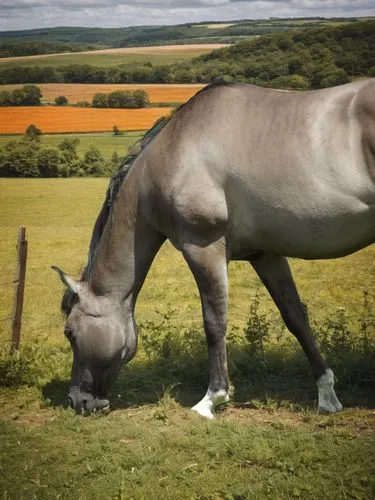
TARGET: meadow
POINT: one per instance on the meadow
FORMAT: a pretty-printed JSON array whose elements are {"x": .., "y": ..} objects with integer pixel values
[
  {"x": 107, "y": 143},
  {"x": 269, "y": 442},
  {"x": 55, "y": 120},
  {"x": 76, "y": 92},
  {"x": 112, "y": 57}
]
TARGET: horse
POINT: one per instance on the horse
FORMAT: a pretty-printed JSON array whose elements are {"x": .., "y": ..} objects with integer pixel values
[{"x": 239, "y": 172}]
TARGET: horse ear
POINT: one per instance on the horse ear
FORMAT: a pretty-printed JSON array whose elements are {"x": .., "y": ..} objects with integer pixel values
[{"x": 69, "y": 282}]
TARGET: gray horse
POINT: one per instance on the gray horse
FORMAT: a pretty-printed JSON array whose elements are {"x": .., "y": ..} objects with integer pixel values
[{"x": 237, "y": 173}]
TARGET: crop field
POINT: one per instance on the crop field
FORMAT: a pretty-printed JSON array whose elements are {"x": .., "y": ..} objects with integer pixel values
[
  {"x": 55, "y": 120},
  {"x": 112, "y": 57},
  {"x": 268, "y": 443},
  {"x": 76, "y": 92}
]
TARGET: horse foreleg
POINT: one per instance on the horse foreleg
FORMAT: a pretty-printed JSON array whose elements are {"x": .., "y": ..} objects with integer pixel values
[
  {"x": 274, "y": 271},
  {"x": 209, "y": 267}
]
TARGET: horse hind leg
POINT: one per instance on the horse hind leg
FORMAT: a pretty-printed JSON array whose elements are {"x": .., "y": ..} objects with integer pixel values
[
  {"x": 209, "y": 266},
  {"x": 274, "y": 271}
]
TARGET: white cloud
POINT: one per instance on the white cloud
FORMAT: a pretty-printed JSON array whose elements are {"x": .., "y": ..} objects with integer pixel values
[{"x": 25, "y": 14}]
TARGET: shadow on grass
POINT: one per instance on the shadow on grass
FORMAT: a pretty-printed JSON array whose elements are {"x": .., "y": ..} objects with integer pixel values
[{"x": 276, "y": 380}]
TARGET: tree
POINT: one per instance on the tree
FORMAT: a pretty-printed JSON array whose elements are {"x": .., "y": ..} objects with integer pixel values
[
  {"x": 19, "y": 159},
  {"x": 17, "y": 97},
  {"x": 116, "y": 130},
  {"x": 141, "y": 98},
  {"x": 61, "y": 101},
  {"x": 32, "y": 132},
  {"x": 118, "y": 99},
  {"x": 49, "y": 162},
  {"x": 114, "y": 162},
  {"x": 5, "y": 98},
  {"x": 335, "y": 77},
  {"x": 71, "y": 163},
  {"x": 100, "y": 101},
  {"x": 93, "y": 162},
  {"x": 31, "y": 95}
]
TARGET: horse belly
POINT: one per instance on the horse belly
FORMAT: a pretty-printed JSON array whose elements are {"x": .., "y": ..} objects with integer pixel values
[{"x": 312, "y": 232}]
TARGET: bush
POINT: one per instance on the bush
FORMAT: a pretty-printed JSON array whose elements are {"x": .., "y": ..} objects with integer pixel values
[
  {"x": 61, "y": 101},
  {"x": 83, "y": 104}
]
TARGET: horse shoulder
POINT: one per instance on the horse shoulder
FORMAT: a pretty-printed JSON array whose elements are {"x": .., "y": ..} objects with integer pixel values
[{"x": 181, "y": 195}]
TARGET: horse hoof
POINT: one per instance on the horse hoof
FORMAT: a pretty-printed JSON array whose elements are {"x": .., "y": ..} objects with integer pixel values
[
  {"x": 204, "y": 411},
  {"x": 206, "y": 407},
  {"x": 327, "y": 399}
]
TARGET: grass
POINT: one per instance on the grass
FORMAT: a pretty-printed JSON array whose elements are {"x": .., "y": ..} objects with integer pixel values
[
  {"x": 53, "y": 119},
  {"x": 104, "y": 60},
  {"x": 268, "y": 443},
  {"x": 106, "y": 142}
]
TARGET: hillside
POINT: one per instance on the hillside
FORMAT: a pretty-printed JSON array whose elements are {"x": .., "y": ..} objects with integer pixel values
[
  {"x": 73, "y": 39},
  {"x": 308, "y": 58},
  {"x": 302, "y": 58}
]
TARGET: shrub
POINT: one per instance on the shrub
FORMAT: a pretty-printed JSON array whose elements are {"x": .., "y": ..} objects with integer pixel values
[
  {"x": 83, "y": 104},
  {"x": 61, "y": 101}
]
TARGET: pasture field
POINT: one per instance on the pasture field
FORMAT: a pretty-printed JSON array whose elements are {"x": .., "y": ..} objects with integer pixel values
[
  {"x": 58, "y": 120},
  {"x": 107, "y": 143},
  {"x": 268, "y": 443},
  {"x": 167, "y": 54},
  {"x": 76, "y": 92}
]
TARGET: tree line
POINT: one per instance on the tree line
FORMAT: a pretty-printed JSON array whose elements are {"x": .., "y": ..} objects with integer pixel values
[
  {"x": 28, "y": 95},
  {"x": 306, "y": 58},
  {"x": 29, "y": 157},
  {"x": 17, "y": 49}
]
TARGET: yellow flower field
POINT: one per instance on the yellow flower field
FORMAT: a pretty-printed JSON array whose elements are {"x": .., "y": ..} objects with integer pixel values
[
  {"x": 51, "y": 119},
  {"x": 76, "y": 92}
]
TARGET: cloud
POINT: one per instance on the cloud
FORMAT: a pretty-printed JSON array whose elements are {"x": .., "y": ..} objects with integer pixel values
[{"x": 24, "y": 14}]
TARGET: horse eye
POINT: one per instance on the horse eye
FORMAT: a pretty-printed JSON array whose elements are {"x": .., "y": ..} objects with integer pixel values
[{"x": 69, "y": 334}]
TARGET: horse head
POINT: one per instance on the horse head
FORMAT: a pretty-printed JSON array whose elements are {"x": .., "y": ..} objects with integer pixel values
[{"x": 102, "y": 338}]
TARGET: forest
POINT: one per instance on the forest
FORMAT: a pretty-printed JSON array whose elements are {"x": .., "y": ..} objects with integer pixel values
[{"x": 307, "y": 58}]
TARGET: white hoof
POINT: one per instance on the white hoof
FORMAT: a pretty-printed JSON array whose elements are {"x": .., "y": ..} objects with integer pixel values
[
  {"x": 327, "y": 399},
  {"x": 206, "y": 406}
]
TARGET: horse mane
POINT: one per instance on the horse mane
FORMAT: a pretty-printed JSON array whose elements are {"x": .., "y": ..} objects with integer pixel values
[{"x": 69, "y": 297}]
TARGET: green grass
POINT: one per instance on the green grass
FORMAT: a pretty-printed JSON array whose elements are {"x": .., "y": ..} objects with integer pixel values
[
  {"x": 106, "y": 60},
  {"x": 268, "y": 443},
  {"x": 106, "y": 142}
]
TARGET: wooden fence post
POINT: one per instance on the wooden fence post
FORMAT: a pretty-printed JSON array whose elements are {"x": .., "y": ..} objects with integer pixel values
[{"x": 20, "y": 288}]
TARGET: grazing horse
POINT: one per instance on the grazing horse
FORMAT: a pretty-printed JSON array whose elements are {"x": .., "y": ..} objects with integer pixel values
[{"x": 237, "y": 173}]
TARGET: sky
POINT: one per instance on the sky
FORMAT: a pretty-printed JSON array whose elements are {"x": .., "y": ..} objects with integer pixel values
[{"x": 27, "y": 14}]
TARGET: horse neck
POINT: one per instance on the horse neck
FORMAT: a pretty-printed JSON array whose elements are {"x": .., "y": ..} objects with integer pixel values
[{"x": 126, "y": 249}]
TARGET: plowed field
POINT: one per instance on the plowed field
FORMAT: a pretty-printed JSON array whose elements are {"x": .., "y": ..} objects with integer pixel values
[{"x": 15, "y": 120}]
